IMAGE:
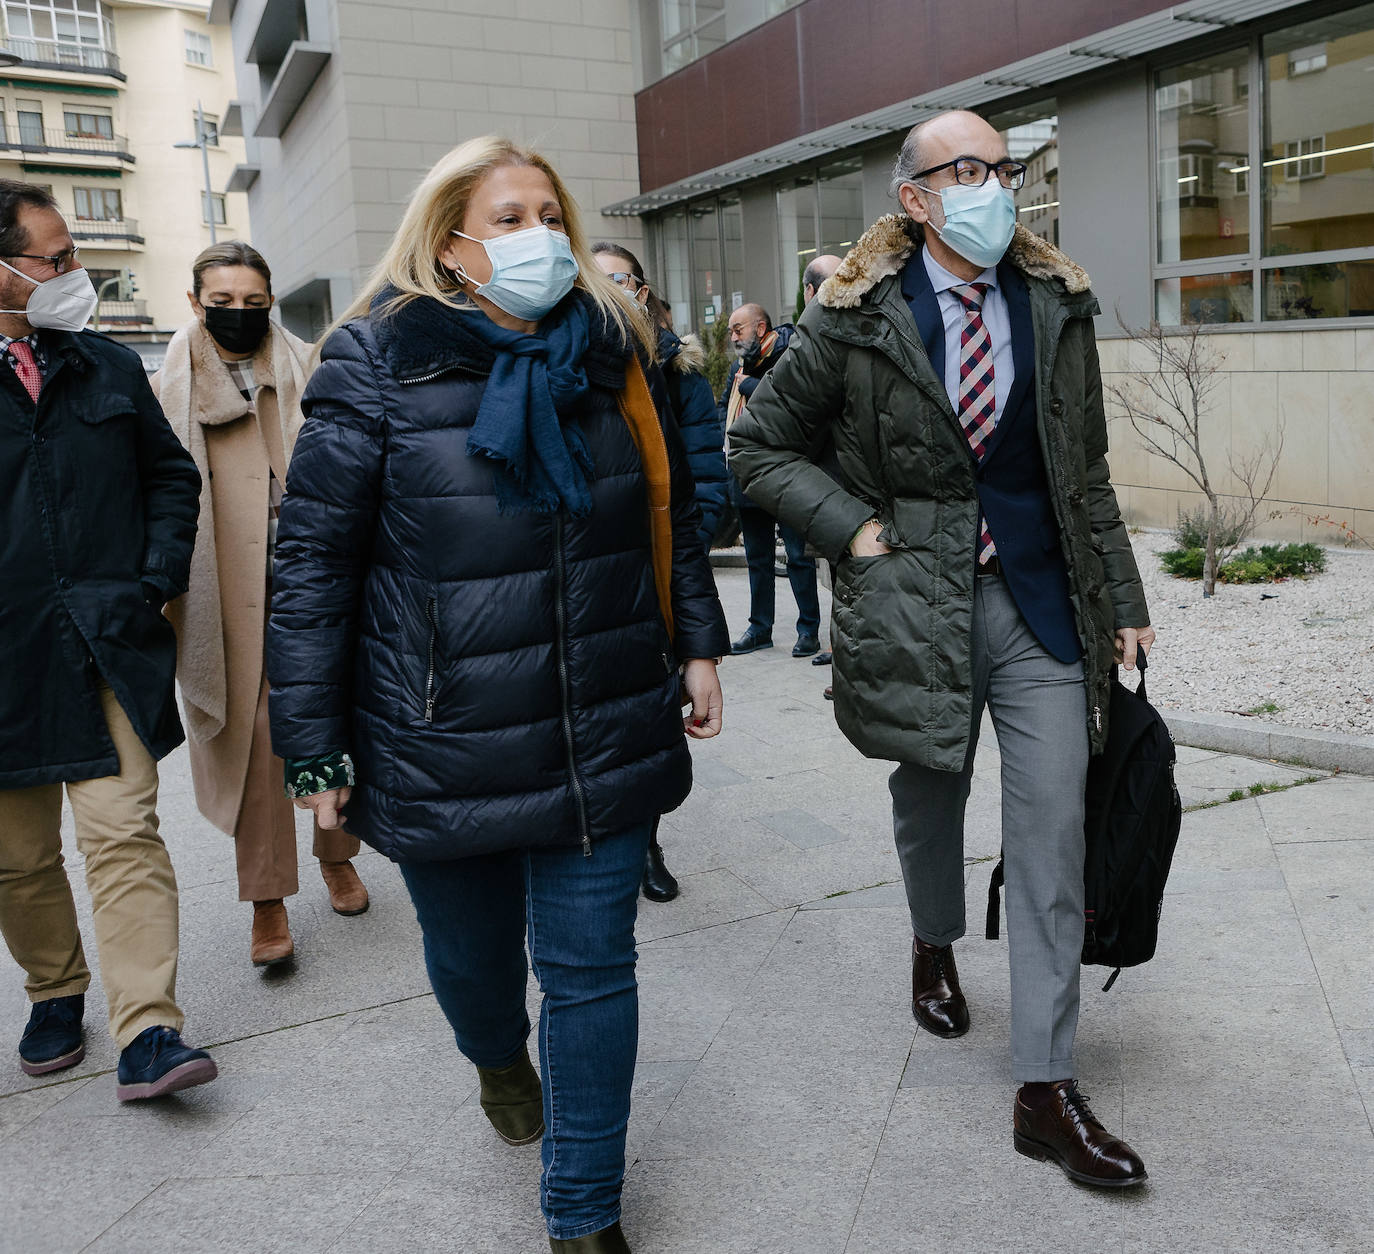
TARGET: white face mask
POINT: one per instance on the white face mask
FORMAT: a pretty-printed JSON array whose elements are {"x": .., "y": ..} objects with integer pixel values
[{"x": 64, "y": 303}]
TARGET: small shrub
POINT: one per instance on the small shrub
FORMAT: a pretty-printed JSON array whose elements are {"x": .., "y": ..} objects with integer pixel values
[
  {"x": 1262, "y": 565},
  {"x": 1190, "y": 532},
  {"x": 1274, "y": 561},
  {"x": 1236, "y": 794},
  {"x": 1184, "y": 563}
]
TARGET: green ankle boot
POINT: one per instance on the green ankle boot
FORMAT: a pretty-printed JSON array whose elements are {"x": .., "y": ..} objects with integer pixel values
[
  {"x": 608, "y": 1241},
  {"x": 514, "y": 1101}
]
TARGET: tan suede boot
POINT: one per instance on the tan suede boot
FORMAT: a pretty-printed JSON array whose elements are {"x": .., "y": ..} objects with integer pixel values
[
  {"x": 513, "y": 1100},
  {"x": 272, "y": 941},
  {"x": 346, "y": 892},
  {"x": 607, "y": 1241}
]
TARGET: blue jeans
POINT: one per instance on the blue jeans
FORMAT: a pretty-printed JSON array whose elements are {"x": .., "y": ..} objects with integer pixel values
[
  {"x": 757, "y": 527},
  {"x": 579, "y": 915}
]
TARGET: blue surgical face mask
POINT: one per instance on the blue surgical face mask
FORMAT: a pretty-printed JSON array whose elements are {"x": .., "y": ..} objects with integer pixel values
[
  {"x": 531, "y": 271},
  {"x": 979, "y": 221}
]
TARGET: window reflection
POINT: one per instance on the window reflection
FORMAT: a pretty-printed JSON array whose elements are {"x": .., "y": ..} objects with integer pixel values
[
  {"x": 1319, "y": 138},
  {"x": 1202, "y": 138},
  {"x": 1206, "y": 298}
]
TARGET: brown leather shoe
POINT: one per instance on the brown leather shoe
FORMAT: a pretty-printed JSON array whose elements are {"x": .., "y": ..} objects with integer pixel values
[
  {"x": 1053, "y": 1122},
  {"x": 272, "y": 941},
  {"x": 936, "y": 998},
  {"x": 346, "y": 892}
]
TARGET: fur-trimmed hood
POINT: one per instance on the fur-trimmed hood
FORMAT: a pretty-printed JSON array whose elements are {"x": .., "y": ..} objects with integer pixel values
[
  {"x": 685, "y": 355},
  {"x": 884, "y": 248}
]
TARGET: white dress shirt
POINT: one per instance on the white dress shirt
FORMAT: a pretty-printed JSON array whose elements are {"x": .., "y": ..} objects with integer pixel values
[{"x": 996, "y": 318}]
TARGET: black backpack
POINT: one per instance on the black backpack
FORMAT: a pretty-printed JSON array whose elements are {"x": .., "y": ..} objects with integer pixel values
[{"x": 1131, "y": 822}]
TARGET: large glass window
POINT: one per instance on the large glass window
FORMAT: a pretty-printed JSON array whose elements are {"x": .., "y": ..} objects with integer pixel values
[
  {"x": 797, "y": 240},
  {"x": 689, "y": 29},
  {"x": 1032, "y": 136},
  {"x": 1319, "y": 135},
  {"x": 821, "y": 211},
  {"x": 674, "y": 276},
  {"x": 1202, "y": 130},
  {"x": 1268, "y": 192}
]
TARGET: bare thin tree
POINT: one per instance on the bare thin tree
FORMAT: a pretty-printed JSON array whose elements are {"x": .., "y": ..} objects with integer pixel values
[{"x": 1167, "y": 404}]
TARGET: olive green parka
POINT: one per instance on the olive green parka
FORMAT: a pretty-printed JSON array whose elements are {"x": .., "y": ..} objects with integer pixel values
[{"x": 856, "y": 380}]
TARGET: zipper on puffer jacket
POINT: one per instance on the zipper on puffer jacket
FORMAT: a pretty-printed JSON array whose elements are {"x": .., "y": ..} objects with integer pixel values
[
  {"x": 564, "y": 695},
  {"x": 431, "y": 613}
]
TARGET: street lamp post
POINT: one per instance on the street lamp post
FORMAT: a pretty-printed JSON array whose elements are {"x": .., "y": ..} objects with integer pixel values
[{"x": 203, "y": 143}]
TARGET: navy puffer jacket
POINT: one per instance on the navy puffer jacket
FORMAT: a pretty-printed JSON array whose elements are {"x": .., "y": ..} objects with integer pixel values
[
  {"x": 501, "y": 681},
  {"x": 699, "y": 421}
]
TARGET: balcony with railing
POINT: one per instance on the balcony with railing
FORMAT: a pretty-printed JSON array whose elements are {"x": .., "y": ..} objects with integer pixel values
[
  {"x": 123, "y": 229},
  {"x": 53, "y": 142},
  {"x": 56, "y": 54},
  {"x": 122, "y": 313}
]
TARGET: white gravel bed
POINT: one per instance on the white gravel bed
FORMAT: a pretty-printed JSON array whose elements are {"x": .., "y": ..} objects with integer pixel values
[{"x": 1308, "y": 649}]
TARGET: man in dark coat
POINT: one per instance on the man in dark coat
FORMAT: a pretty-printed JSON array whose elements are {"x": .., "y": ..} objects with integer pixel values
[
  {"x": 951, "y": 364},
  {"x": 100, "y": 517},
  {"x": 760, "y": 345}
]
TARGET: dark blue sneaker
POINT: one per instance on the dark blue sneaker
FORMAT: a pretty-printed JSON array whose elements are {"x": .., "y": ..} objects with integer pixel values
[
  {"x": 158, "y": 1061},
  {"x": 52, "y": 1040}
]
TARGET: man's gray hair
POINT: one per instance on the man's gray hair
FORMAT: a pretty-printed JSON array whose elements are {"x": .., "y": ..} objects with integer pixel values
[{"x": 910, "y": 159}]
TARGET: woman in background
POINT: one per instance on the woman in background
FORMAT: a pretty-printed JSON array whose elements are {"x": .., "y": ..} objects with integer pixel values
[
  {"x": 698, "y": 420},
  {"x": 231, "y": 388}
]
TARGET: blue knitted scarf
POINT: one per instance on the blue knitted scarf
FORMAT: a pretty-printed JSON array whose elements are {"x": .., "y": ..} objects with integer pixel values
[{"x": 536, "y": 387}]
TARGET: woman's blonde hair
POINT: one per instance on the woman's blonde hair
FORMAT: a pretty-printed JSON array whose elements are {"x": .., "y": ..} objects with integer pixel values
[{"x": 439, "y": 205}]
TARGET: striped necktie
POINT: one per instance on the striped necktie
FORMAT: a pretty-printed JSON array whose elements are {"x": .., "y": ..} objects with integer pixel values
[{"x": 977, "y": 396}]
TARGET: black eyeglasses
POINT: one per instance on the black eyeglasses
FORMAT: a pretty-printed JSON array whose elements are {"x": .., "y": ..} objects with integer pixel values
[
  {"x": 60, "y": 262},
  {"x": 974, "y": 171},
  {"x": 626, "y": 280}
]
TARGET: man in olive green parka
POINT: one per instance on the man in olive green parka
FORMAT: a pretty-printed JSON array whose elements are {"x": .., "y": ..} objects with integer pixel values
[{"x": 949, "y": 371}]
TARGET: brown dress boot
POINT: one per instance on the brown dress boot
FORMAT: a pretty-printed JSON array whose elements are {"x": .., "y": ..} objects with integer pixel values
[
  {"x": 1053, "y": 1122},
  {"x": 606, "y": 1241},
  {"x": 346, "y": 892},
  {"x": 937, "y": 1001},
  {"x": 271, "y": 934}
]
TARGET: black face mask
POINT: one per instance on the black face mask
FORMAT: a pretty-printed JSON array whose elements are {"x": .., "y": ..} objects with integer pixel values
[{"x": 237, "y": 330}]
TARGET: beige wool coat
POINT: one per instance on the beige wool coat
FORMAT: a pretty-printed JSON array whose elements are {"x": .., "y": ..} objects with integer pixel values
[{"x": 237, "y": 444}]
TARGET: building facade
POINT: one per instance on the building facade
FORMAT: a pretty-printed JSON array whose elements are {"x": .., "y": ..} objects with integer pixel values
[
  {"x": 1210, "y": 161},
  {"x": 345, "y": 104},
  {"x": 93, "y": 98}
]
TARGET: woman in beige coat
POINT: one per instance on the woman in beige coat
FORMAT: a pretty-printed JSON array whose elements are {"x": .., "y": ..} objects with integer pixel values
[{"x": 231, "y": 389}]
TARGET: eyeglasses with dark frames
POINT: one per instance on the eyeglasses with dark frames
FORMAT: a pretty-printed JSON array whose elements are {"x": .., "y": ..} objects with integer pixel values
[
  {"x": 974, "y": 171},
  {"x": 626, "y": 280},
  {"x": 60, "y": 262}
]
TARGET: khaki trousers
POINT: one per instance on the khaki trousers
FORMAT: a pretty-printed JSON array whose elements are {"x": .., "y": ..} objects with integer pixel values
[
  {"x": 265, "y": 835},
  {"x": 132, "y": 885}
]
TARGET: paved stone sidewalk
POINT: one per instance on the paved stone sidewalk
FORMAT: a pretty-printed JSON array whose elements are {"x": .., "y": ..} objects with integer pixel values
[{"x": 785, "y": 1100}]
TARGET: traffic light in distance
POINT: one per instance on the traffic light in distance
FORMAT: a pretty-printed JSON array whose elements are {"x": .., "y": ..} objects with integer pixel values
[{"x": 127, "y": 286}]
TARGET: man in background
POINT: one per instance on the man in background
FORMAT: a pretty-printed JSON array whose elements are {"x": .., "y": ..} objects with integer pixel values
[{"x": 758, "y": 346}]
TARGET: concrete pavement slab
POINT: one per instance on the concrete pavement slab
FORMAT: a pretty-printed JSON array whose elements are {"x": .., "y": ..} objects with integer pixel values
[
  {"x": 785, "y": 1099},
  {"x": 303, "y": 1214}
]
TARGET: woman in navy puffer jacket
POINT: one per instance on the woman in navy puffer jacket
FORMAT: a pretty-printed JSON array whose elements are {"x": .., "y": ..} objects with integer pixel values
[
  {"x": 476, "y": 638},
  {"x": 694, "y": 407}
]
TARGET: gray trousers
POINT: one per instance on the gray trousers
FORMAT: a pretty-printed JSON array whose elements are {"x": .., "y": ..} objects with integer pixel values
[{"x": 1038, "y": 707}]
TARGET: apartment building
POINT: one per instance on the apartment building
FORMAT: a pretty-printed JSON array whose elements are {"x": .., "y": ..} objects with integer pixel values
[{"x": 95, "y": 96}]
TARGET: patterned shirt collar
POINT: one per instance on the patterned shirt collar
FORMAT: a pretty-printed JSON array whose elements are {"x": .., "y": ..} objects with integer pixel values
[{"x": 32, "y": 341}]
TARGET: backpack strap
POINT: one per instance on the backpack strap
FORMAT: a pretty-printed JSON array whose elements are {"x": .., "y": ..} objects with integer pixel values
[
  {"x": 641, "y": 416},
  {"x": 999, "y": 876}
]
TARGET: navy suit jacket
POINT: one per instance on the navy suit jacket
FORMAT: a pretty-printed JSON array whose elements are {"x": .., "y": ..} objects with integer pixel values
[{"x": 1013, "y": 491}]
